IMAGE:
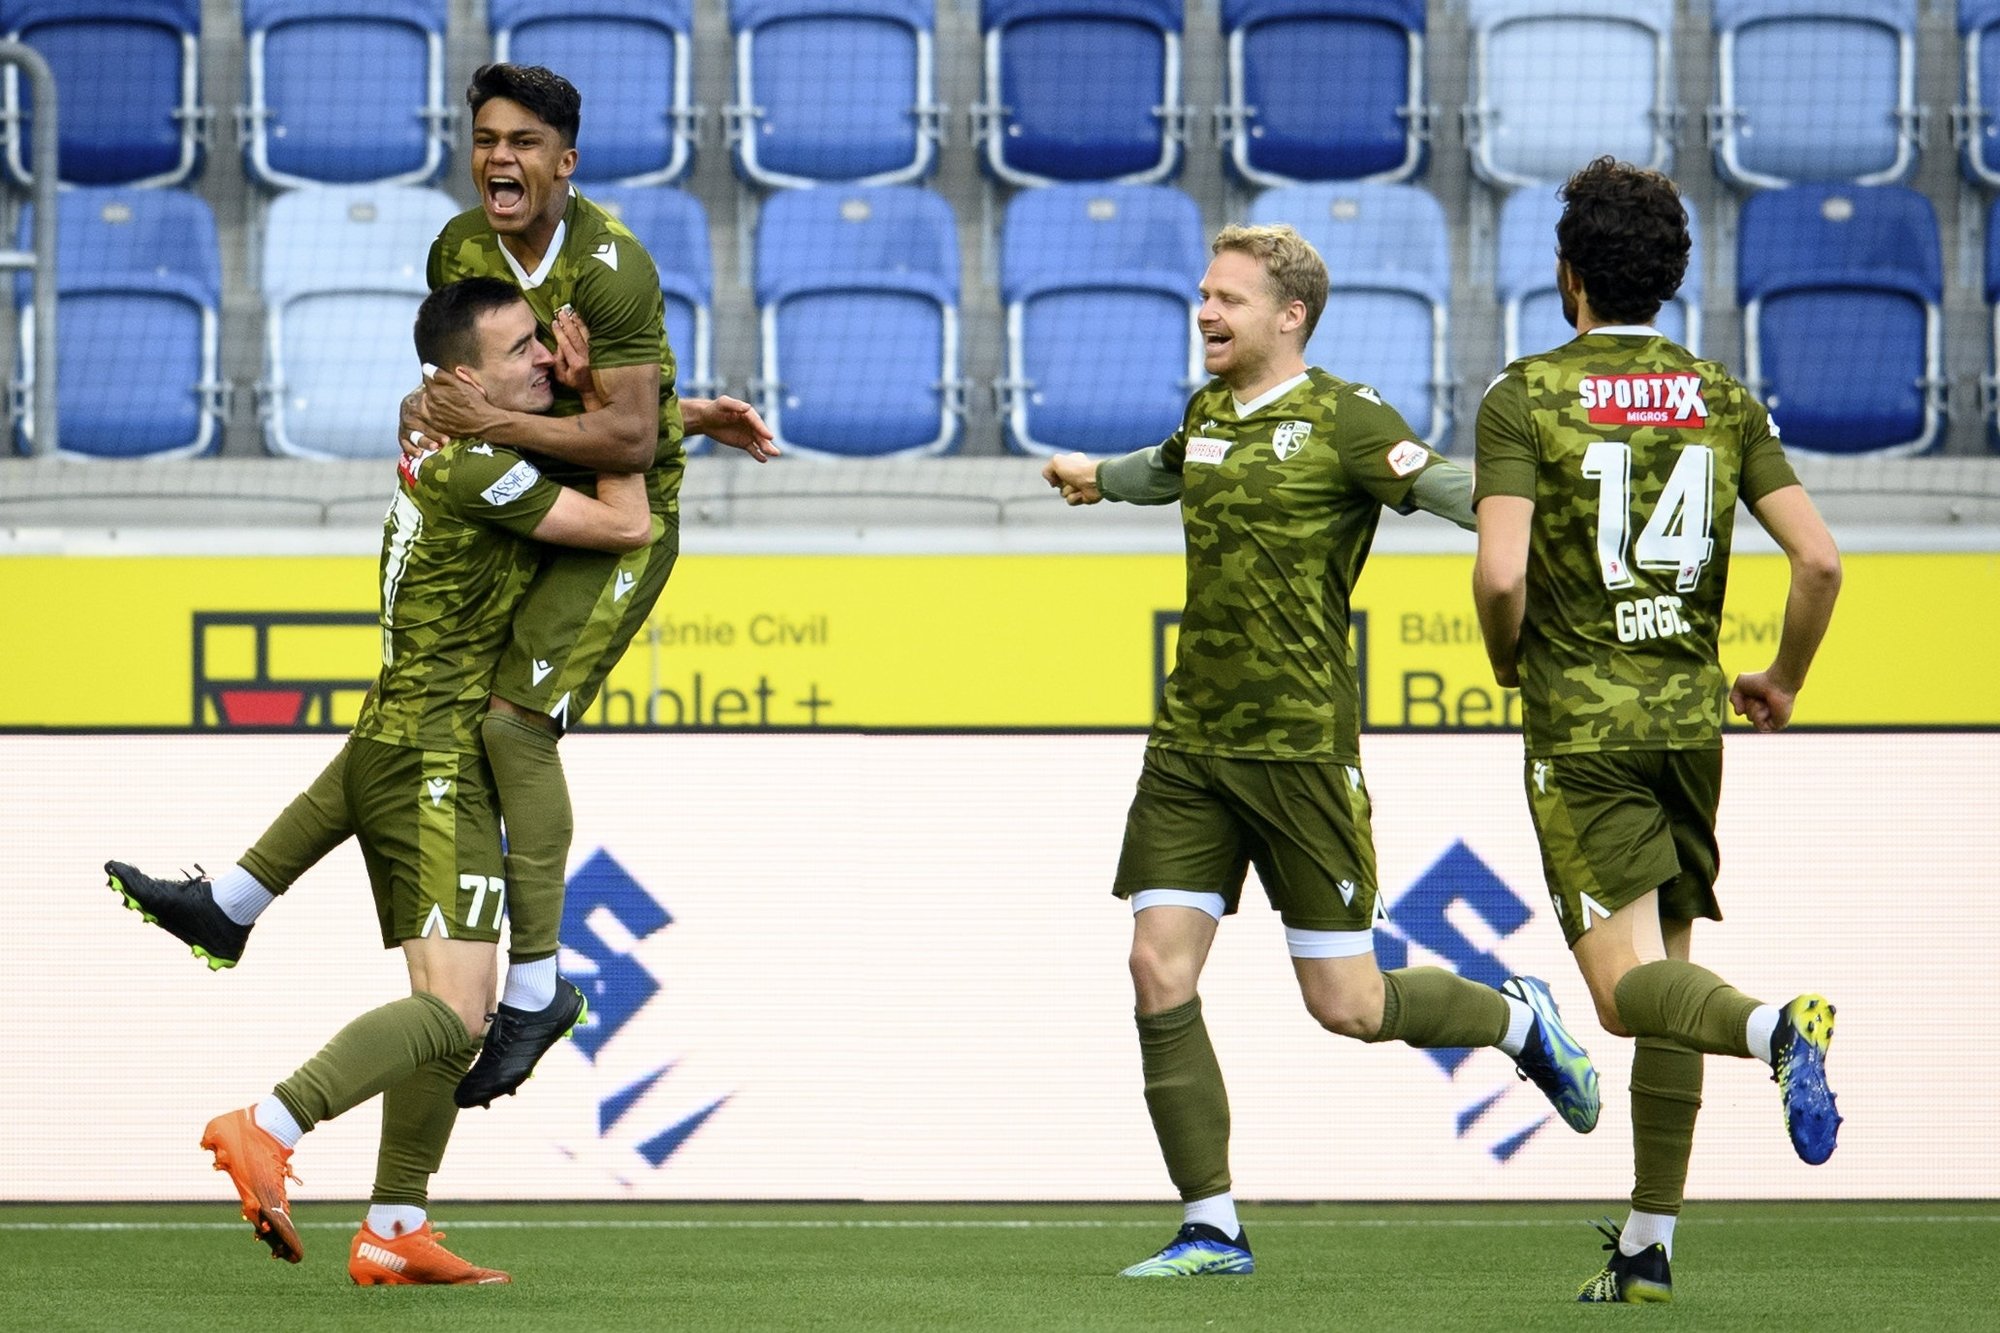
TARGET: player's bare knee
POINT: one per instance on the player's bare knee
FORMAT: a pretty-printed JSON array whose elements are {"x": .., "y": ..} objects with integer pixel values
[
  {"x": 1158, "y": 981},
  {"x": 1344, "y": 1015}
]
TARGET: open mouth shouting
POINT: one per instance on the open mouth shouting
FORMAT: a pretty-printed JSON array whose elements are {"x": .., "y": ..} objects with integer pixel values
[{"x": 506, "y": 198}]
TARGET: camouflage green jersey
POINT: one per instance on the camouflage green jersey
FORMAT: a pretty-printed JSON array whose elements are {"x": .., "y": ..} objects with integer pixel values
[
  {"x": 1635, "y": 452},
  {"x": 1279, "y": 506},
  {"x": 596, "y": 266},
  {"x": 456, "y": 558}
]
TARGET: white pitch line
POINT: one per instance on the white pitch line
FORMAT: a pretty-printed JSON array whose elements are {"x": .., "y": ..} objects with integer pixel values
[{"x": 958, "y": 1224}]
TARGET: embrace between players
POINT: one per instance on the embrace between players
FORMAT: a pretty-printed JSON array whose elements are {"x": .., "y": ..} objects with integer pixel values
[{"x": 1590, "y": 524}]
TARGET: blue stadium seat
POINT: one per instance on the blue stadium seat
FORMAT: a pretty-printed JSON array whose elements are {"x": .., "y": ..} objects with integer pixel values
[
  {"x": 1324, "y": 90},
  {"x": 834, "y": 90},
  {"x": 673, "y": 226},
  {"x": 1101, "y": 286},
  {"x": 857, "y": 294},
  {"x": 139, "y": 289},
  {"x": 1388, "y": 258},
  {"x": 145, "y": 126},
  {"x": 1081, "y": 90},
  {"x": 1531, "y": 309},
  {"x": 344, "y": 91},
  {"x": 1555, "y": 83},
  {"x": 343, "y": 274},
  {"x": 1841, "y": 288},
  {"x": 1974, "y": 121},
  {"x": 633, "y": 61},
  {"x": 1815, "y": 90}
]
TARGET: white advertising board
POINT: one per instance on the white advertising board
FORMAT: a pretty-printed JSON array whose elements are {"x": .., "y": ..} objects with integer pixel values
[{"x": 888, "y": 967}]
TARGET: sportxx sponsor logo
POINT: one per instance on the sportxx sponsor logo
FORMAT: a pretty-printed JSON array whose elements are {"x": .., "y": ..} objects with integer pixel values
[{"x": 1644, "y": 400}]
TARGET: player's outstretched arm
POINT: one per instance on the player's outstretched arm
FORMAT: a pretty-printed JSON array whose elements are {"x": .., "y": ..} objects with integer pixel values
[
  {"x": 1766, "y": 697},
  {"x": 615, "y": 519},
  {"x": 1141, "y": 477},
  {"x": 1445, "y": 489},
  {"x": 619, "y": 435},
  {"x": 1500, "y": 580},
  {"x": 730, "y": 421},
  {"x": 1075, "y": 475}
]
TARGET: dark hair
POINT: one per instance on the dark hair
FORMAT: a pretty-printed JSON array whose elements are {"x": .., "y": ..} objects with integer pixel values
[
  {"x": 550, "y": 97},
  {"x": 447, "y": 330},
  {"x": 1624, "y": 235}
]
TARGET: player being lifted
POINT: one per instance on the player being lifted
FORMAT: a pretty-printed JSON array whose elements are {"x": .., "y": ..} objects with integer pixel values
[
  {"x": 1282, "y": 472},
  {"x": 1608, "y": 475},
  {"x": 459, "y": 546},
  {"x": 563, "y": 252}
]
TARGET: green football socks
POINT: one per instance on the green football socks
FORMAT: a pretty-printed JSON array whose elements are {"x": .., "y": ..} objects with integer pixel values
[
  {"x": 534, "y": 801},
  {"x": 1185, "y": 1097},
  {"x": 372, "y": 1054},
  {"x": 1685, "y": 1004},
  {"x": 417, "y": 1119},
  {"x": 1428, "y": 1007},
  {"x": 312, "y": 825},
  {"x": 1666, "y": 1097}
]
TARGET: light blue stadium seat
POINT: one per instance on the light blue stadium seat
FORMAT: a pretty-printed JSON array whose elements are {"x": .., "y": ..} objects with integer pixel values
[
  {"x": 139, "y": 288},
  {"x": 1081, "y": 90},
  {"x": 1975, "y": 122},
  {"x": 1556, "y": 83},
  {"x": 344, "y": 91},
  {"x": 143, "y": 127},
  {"x": 1840, "y": 287},
  {"x": 1101, "y": 285},
  {"x": 343, "y": 275},
  {"x": 1388, "y": 259},
  {"x": 633, "y": 61},
  {"x": 1530, "y": 307},
  {"x": 673, "y": 226},
  {"x": 834, "y": 90},
  {"x": 1814, "y": 90},
  {"x": 1324, "y": 90},
  {"x": 857, "y": 294}
]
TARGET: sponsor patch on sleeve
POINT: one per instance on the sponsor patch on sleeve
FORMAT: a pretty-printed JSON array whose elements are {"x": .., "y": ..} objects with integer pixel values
[
  {"x": 513, "y": 485},
  {"x": 1206, "y": 449},
  {"x": 1407, "y": 457}
]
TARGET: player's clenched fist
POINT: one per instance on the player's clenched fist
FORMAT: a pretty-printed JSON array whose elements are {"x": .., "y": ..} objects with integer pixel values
[{"x": 1075, "y": 475}]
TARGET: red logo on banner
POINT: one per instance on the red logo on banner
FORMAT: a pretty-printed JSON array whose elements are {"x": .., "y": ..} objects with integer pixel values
[{"x": 1644, "y": 400}]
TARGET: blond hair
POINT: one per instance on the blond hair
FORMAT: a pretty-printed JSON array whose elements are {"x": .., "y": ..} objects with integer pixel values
[{"x": 1292, "y": 268}]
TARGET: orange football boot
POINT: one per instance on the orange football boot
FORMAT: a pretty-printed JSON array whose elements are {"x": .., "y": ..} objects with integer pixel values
[
  {"x": 415, "y": 1258},
  {"x": 258, "y": 1166}
]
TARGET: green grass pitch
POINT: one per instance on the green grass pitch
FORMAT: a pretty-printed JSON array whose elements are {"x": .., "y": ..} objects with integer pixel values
[{"x": 1818, "y": 1266}]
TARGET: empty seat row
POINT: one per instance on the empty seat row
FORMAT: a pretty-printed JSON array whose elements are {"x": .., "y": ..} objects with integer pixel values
[
  {"x": 858, "y": 296},
  {"x": 344, "y": 91}
]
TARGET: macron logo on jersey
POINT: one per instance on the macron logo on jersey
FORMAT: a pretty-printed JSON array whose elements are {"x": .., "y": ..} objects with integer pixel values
[
  {"x": 607, "y": 254},
  {"x": 1644, "y": 400}
]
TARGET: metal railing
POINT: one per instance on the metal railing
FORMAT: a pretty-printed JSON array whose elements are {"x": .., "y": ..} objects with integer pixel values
[{"x": 42, "y": 259}]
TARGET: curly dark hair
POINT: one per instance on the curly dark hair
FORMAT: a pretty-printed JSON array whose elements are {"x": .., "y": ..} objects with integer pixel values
[
  {"x": 551, "y": 98},
  {"x": 1624, "y": 234}
]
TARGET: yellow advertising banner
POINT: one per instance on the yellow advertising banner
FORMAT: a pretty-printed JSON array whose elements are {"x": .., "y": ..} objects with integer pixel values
[{"x": 1029, "y": 641}]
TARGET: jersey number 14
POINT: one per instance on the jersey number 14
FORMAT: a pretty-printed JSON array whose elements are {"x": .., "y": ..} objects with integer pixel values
[{"x": 1675, "y": 537}]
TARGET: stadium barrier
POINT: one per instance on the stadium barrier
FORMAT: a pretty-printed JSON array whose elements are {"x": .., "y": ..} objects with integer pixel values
[
  {"x": 855, "y": 967},
  {"x": 908, "y": 642}
]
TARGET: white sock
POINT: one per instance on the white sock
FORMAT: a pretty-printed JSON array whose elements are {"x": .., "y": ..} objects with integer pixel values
[
  {"x": 1757, "y": 1032},
  {"x": 390, "y": 1220},
  {"x": 272, "y": 1117},
  {"x": 239, "y": 895},
  {"x": 530, "y": 986},
  {"x": 1218, "y": 1211},
  {"x": 1520, "y": 1021},
  {"x": 1645, "y": 1230}
]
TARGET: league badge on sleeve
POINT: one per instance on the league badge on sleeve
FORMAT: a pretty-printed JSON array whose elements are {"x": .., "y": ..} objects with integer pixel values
[{"x": 1408, "y": 456}]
